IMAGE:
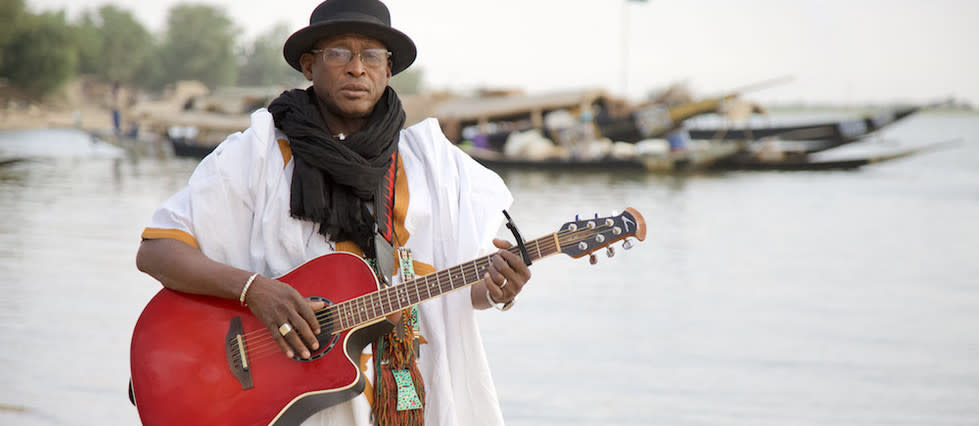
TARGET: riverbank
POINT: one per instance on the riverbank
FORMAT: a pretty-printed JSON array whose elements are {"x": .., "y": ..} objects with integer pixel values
[{"x": 86, "y": 117}]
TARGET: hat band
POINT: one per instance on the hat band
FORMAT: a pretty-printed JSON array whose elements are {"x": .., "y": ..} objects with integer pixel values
[{"x": 351, "y": 16}]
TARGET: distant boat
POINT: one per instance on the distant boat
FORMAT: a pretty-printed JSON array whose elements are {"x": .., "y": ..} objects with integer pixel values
[
  {"x": 7, "y": 161},
  {"x": 184, "y": 147},
  {"x": 654, "y": 156},
  {"x": 799, "y": 160},
  {"x": 831, "y": 134}
]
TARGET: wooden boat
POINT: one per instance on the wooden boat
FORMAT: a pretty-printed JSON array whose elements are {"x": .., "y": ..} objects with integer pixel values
[
  {"x": 831, "y": 134},
  {"x": 190, "y": 148},
  {"x": 655, "y": 156},
  {"x": 800, "y": 161},
  {"x": 9, "y": 161},
  {"x": 498, "y": 116}
]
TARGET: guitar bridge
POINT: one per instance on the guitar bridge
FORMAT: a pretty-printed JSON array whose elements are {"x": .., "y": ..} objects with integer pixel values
[{"x": 237, "y": 355}]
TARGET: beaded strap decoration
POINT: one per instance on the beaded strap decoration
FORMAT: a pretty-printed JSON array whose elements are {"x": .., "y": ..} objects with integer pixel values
[{"x": 400, "y": 390}]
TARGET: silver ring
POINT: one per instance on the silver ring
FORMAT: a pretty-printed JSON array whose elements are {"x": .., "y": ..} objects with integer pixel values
[
  {"x": 503, "y": 284},
  {"x": 285, "y": 328}
]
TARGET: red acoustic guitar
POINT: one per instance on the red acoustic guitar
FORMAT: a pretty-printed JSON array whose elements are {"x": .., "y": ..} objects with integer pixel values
[{"x": 200, "y": 360}]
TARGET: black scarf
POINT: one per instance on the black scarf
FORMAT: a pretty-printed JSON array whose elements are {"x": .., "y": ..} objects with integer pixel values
[{"x": 334, "y": 179}]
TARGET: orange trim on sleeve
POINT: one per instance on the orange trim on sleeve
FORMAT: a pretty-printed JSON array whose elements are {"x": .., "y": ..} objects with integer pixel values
[
  {"x": 286, "y": 151},
  {"x": 422, "y": 269},
  {"x": 401, "y": 198},
  {"x": 349, "y": 247},
  {"x": 173, "y": 234}
]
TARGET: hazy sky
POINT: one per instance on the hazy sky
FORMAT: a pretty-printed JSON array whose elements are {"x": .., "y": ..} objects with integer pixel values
[{"x": 844, "y": 51}]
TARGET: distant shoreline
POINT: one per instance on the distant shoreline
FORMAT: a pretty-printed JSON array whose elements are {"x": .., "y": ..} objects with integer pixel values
[{"x": 98, "y": 118}]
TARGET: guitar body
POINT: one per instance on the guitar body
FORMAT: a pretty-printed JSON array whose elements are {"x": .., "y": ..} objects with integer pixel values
[
  {"x": 189, "y": 352},
  {"x": 181, "y": 373}
]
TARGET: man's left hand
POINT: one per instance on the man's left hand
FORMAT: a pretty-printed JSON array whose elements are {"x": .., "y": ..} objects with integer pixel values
[{"x": 506, "y": 275}]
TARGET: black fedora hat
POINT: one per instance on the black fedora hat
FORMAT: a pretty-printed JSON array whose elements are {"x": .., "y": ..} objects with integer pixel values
[{"x": 369, "y": 18}]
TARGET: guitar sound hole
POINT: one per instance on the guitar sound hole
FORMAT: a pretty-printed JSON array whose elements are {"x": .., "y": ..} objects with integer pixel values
[{"x": 326, "y": 338}]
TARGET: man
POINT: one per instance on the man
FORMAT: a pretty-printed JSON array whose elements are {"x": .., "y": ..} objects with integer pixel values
[{"x": 311, "y": 176}]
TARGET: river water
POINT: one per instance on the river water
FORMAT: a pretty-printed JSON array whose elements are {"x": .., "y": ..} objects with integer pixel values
[{"x": 757, "y": 298}]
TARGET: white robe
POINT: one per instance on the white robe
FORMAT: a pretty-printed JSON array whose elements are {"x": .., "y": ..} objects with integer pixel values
[{"x": 236, "y": 208}]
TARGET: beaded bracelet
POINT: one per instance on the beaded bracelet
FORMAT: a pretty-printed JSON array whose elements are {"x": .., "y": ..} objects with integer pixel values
[{"x": 244, "y": 290}]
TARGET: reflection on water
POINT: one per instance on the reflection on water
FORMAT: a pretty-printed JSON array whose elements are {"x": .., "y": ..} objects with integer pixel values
[{"x": 757, "y": 298}]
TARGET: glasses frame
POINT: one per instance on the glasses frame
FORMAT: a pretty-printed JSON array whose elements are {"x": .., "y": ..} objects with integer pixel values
[{"x": 358, "y": 54}]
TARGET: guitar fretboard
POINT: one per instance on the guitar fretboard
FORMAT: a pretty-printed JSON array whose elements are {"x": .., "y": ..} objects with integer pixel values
[{"x": 359, "y": 310}]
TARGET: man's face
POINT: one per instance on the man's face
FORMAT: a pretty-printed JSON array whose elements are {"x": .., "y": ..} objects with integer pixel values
[{"x": 349, "y": 90}]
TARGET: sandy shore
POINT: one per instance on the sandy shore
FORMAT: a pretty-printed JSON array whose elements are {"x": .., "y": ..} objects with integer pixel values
[{"x": 87, "y": 117}]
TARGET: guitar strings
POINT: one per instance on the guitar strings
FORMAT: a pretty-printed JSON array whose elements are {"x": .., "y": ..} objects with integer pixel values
[
  {"x": 264, "y": 343},
  {"x": 258, "y": 345},
  {"x": 269, "y": 342}
]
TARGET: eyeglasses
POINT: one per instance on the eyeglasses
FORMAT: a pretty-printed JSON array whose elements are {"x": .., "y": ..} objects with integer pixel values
[{"x": 338, "y": 56}]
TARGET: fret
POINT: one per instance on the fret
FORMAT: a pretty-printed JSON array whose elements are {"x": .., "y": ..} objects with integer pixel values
[
  {"x": 428, "y": 286},
  {"x": 403, "y": 299}
]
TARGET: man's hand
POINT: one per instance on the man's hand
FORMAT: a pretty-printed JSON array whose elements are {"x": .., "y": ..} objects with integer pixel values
[
  {"x": 506, "y": 275},
  {"x": 276, "y": 303}
]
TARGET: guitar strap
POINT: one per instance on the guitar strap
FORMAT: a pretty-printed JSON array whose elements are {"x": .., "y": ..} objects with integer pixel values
[
  {"x": 398, "y": 394},
  {"x": 384, "y": 235}
]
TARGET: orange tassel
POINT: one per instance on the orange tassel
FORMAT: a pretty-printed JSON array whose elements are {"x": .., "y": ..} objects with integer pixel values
[{"x": 396, "y": 351}]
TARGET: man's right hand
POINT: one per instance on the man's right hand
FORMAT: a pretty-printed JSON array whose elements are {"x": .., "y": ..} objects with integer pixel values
[{"x": 276, "y": 303}]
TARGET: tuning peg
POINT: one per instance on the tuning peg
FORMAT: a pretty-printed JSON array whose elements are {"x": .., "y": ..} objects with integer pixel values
[
  {"x": 610, "y": 251},
  {"x": 627, "y": 244},
  {"x": 592, "y": 259},
  {"x": 576, "y": 218},
  {"x": 596, "y": 215}
]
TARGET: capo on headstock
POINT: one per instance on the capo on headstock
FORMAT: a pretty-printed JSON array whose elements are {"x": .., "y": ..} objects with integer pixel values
[{"x": 516, "y": 236}]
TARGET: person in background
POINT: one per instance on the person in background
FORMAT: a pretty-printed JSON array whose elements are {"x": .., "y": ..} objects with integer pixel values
[{"x": 309, "y": 177}]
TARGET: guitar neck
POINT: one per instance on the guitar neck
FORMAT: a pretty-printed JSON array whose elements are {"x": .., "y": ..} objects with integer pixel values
[{"x": 371, "y": 306}]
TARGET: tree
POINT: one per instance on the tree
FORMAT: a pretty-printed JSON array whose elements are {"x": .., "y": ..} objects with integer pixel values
[
  {"x": 113, "y": 45},
  {"x": 88, "y": 41},
  {"x": 11, "y": 12},
  {"x": 199, "y": 45},
  {"x": 263, "y": 64},
  {"x": 40, "y": 56}
]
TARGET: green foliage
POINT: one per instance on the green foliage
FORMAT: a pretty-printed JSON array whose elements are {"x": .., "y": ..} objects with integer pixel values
[
  {"x": 113, "y": 45},
  {"x": 199, "y": 45},
  {"x": 262, "y": 63},
  {"x": 409, "y": 81},
  {"x": 40, "y": 56},
  {"x": 40, "y": 52},
  {"x": 88, "y": 41},
  {"x": 11, "y": 12},
  {"x": 150, "y": 74}
]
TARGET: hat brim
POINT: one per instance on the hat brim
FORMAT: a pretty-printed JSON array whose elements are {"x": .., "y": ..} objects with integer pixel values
[{"x": 402, "y": 48}]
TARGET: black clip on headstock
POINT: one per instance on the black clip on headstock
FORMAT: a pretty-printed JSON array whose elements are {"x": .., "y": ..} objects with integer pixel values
[{"x": 516, "y": 236}]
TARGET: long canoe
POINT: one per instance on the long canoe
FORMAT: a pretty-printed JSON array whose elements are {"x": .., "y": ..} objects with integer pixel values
[{"x": 832, "y": 133}]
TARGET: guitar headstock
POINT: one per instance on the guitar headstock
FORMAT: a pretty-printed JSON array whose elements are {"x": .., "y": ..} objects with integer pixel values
[{"x": 586, "y": 236}]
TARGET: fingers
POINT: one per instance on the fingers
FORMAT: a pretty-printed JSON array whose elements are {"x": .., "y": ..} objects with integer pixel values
[
  {"x": 503, "y": 244},
  {"x": 506, "y": 274},
  {"x": 295, "y": 337},
  {"x": 290, "y": 318}
]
